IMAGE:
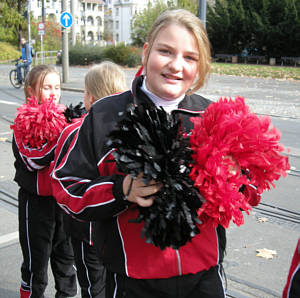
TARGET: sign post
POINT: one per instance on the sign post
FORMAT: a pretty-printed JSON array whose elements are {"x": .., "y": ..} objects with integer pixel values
[
  {"x": 66, "y": 21},
  {"x": 41, "y": 32}
]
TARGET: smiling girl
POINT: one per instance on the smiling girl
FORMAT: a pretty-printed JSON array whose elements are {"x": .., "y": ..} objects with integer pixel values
[
  {"x": 176, "y": 62},
  {"x": 41, "y": 234}
]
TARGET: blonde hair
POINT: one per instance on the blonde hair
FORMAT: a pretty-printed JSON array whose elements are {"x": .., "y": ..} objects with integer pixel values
[
  {"x": 193, "y": 24},
  {"x": 37, "y": 76},
  {"x": 105, "y": 79}
]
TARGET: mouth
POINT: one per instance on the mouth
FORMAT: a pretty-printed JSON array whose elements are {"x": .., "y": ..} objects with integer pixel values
[{"x": 172, "y": 77}]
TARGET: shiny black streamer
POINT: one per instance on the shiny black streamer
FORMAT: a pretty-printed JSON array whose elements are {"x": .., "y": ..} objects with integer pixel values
[
  {"x": 72, "y": 112},
  {"x": 149, "y": 140}
]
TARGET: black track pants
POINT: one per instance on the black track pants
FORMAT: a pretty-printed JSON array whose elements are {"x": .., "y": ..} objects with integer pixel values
[
  {"x": 90, "y": 270},
  {"x": 42, "y": 238},
  {"x": 205, "y": 284}
]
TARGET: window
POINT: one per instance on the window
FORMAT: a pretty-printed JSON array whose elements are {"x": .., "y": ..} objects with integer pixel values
[
  {"x": 117, "y": 11},
  {"x": 117, "y": 24},
  {"x": 89, "y": 6},
  {"x": 117, "y": 37},
  {"x": 90, "y": 21},
  {"x": 99, "y": 21}
]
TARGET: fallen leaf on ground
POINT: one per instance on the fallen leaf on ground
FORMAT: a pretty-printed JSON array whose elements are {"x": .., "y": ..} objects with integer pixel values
[
  {"x": 262, "y": 219},
  {"x": 265, "y": 253}
]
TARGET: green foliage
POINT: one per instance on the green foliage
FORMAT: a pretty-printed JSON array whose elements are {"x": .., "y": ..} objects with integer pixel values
[
  {"x": 8, "y": 52},
  {"x": 190, "y": 5},
  {"x": 120, "y": 54},
  {"x": 10, "y": 22},
  {"x": 52, "y": 37},
  {"x": 264, "y": 27},
  {"x": 142, "y": 22}
]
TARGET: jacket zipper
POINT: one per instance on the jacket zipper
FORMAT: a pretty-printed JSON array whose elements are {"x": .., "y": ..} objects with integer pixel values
[{"x": 179, "y": 263}]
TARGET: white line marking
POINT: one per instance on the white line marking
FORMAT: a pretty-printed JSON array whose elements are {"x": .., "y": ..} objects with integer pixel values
[
  {"x": 10, "y": 103},
  {"x": 9, "y": 237},
  {"x": 5, "y": 133}
]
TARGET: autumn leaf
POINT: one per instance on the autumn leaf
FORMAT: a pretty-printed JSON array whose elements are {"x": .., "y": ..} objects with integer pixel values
[
  {"x": 262, "y": 219},
  {"x": 265, "y": 253}
]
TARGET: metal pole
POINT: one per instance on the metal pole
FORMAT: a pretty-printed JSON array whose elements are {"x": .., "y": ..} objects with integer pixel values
[
  {"x": 202, "y": 12},
  {"x": 28, "y": 21},
  {"x": 73, "y": 33},
  {"x": 43, "y": 21},
  {"x": 43, "y": 11},
  {"x": 43, "y": 60},
  {"x": 65, "y": 48}
]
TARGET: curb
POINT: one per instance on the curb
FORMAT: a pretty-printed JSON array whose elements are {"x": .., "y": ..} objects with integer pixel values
[{"x": 72, "y": 89}]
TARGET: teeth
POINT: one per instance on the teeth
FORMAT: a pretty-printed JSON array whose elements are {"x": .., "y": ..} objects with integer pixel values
[{"x": 171, "y": 77}]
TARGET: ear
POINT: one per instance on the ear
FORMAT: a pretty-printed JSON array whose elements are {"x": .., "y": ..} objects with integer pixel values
[
  {"x": 144, "y": 53},
  {"x": 92, "y": 99},
  {"x": 30, "y": 91}
]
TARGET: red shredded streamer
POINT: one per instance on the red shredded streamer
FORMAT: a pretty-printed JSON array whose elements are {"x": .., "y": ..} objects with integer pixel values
[
  {"x": 230, "y": 136},
  {"x": 37, "y": 124}
]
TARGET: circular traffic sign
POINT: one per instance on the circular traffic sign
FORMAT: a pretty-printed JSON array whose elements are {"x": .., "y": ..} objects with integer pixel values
[
  {"x": 66, "y": 19},
  {"x": 41, "y": 26}
]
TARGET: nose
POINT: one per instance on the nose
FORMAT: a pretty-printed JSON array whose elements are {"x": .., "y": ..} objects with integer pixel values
[{"x": 176, "y": 63}]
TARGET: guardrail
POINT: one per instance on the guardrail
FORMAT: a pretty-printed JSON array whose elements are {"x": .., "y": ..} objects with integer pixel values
[{"x": 45, "y": 57}]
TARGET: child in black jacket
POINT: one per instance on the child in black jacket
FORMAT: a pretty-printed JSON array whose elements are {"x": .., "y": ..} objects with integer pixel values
[{"x": 42, "y": 237}]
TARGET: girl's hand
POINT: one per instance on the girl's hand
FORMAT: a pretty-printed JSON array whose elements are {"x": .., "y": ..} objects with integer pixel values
[{"x": 136, "y": 191}]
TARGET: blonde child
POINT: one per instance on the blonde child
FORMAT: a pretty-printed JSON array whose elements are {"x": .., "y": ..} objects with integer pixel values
[
  {"x": 41, "y": 233},
  {"x": 176, "y": 61},
  {"x": 101, "y": 80}
]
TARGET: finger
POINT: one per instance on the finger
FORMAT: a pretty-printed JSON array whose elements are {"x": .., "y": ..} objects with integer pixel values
[
  {"x": 144, "y": 202},
  {"x": 145, "y": 191}
]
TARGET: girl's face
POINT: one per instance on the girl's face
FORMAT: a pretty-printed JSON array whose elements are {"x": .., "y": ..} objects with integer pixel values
[
  {"x": 51, "y": 87},
  {"x": 172, "y": 65}
]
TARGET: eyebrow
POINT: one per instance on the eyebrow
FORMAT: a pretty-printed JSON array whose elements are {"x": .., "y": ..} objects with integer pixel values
[{"x": 169, "y": 47}]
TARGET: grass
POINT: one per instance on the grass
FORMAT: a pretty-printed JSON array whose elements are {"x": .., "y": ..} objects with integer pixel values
[
  {"x": 254, "y": 70},
  {"x": 8, "y": 52}
]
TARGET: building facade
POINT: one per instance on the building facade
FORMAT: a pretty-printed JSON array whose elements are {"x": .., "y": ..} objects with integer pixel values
[{"x": 96, "y": 22}]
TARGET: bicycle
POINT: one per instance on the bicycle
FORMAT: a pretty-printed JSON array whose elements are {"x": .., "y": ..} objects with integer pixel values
[{"x": 13, "y": 75}]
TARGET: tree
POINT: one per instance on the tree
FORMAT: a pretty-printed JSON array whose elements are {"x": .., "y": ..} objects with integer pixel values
[
  {"x": 142, "y": 22},
  {"x": 190, "y": 5},
  {"x": 10, "y": 22},
  {"x": 265, "y": 27},
  {"x": 51, "y": 38}
]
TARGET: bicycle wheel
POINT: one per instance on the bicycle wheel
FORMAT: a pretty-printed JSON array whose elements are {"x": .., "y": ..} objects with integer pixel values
[{"x": 13, "y": 79}]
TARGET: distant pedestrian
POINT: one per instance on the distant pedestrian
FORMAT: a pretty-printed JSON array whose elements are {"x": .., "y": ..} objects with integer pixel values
[
  {"x": 292, "y": 286},
  {"x": 41, "y": 230},
  {"x": 101, "y": 80},
  {"x": 26, "y": 56}
]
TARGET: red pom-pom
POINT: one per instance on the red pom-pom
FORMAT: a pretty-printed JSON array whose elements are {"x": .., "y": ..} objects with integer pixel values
[
  {"x": 230, "y": 137},
  {"x": 37, "y": 124}
]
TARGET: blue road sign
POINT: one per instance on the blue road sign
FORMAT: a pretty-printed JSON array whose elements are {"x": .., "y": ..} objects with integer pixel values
[{"x": 66, "y": 19}]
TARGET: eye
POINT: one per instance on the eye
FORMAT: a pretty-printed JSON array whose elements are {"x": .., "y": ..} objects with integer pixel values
[
  {"x": 164, "y": 51},
  {"x": 191, "y": 58}
]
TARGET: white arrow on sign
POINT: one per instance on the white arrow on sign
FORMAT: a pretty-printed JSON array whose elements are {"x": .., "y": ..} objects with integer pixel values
[{"x": 66, "y": 18}]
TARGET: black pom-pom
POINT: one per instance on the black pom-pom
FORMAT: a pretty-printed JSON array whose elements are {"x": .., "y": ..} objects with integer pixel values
[
  {"x": 150, "y": 141},
  {"x": 74, "y": 112}
]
